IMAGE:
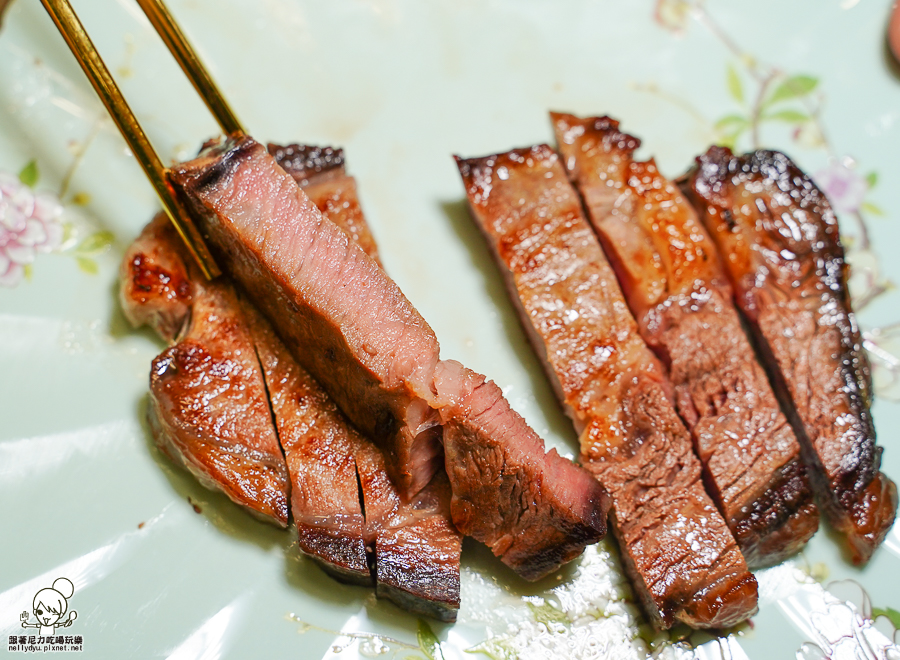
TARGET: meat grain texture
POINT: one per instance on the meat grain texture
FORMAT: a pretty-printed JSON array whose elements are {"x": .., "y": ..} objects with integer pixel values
[
  {"x": 780, "y": 245},
  {"x": 320, "y": 172},
  {"x": 669, "y": 271},
  {"x": 379, "y": 360},
  {"x": 677, "y": 549},
  {"x": 410, "y": 550},
  {"x": 349, "y": 516}
]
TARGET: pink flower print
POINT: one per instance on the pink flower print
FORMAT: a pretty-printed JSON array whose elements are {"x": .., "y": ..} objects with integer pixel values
[
  {"x": 29, "y": 223},
  {"x": 673, "y": 15},
  {"x": 844, "y": 187}
]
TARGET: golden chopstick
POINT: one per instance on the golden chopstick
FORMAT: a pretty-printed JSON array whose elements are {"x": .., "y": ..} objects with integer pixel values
[
  {"x": 81, "y": 46},
  {"x": 187, "y": 59}
]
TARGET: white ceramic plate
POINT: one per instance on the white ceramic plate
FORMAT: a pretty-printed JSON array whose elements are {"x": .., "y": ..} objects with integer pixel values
[{"x": 401, "y": 85}]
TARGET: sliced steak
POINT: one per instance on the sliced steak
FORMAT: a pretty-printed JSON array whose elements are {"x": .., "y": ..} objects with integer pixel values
[
  {"x": 677, "y": 549},
  {"x": 209, "y": 410},
  {"x": 375, "y": 354},
  {"x": 669, "y": 271},
  {"x": 416, "y": 547},
  {"x": 320, "y": 172},
  {"x": 546, "y": 512},
  {"x": 413, "y": 548},
  {"x": 778, "y": 238},
  {"x": 319, "y": 447},
  {"x": 208, "y": 406}
]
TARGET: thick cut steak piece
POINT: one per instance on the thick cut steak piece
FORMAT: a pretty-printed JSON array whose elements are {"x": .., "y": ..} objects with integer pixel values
[
  {"x": 779, "y": 242},
  {"x": 209, "y": 410},
  {"x": 373, "y": 351},
  {"x": 319, "y": 447},
  {"x": 412, "y": 550},
  {"x": 676, "y": 547},
  {"x": 546, "y": 511},
  {"x": 669, "y": 270},
  {"x": 416, "y": 547},
  {"x": 348, "y": 323}
]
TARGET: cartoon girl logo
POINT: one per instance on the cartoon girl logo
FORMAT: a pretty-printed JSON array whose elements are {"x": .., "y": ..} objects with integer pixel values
[{"x": 49, "y": 607}]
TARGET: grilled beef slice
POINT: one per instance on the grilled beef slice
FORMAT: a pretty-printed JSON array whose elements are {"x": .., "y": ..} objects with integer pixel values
[
  {"x": 556, "y": 510},
  {"x": 778, "y": 238},
  {"x": 669, "y": 271},
  {"x": 330, "y": 522},
  {"x": 209, "y": 410},
  {"x": 676, "y": 547},
  {"x": 319, "y": 448},
  {"x": 413, "y": 548},
  {"x": 416, "y": 547},
  {"x": 377, "y": 356}
]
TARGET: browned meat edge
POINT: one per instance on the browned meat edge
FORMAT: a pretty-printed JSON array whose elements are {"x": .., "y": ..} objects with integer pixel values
[
  {"x": 319, "y": 171},
  {"x": 678, "y": 551},
  {"x": 412, "y": 549},
  {"x": 669, "y": 271},
  {"x": 154, "y": 288},
  {"x": 209, "y": 409},
  {"x": 780, "y": 243},
  {"x": 308, "y": 164}
]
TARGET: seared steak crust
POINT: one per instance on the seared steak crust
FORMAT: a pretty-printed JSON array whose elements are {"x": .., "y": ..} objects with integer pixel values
[
  {"x": 209, "y": 410},
  {"x": 670, "y": 273},
  {"x": 375, "y": 354},
  {"x": 416, "y": 548},
  {"x": 779, "y": 240},
  {"x": 308, "y": 164},
  {"x": 675, "y": 545},
  {"x": 154, "y": 285}
]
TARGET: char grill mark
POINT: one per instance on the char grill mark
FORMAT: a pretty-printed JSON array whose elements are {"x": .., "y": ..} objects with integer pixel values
[
  {"x": 675, "y": 546},
  {"x": 682, "y": 301},
  {"x": 780, "y": 245},
  {"x": 375, "y": 354}
]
